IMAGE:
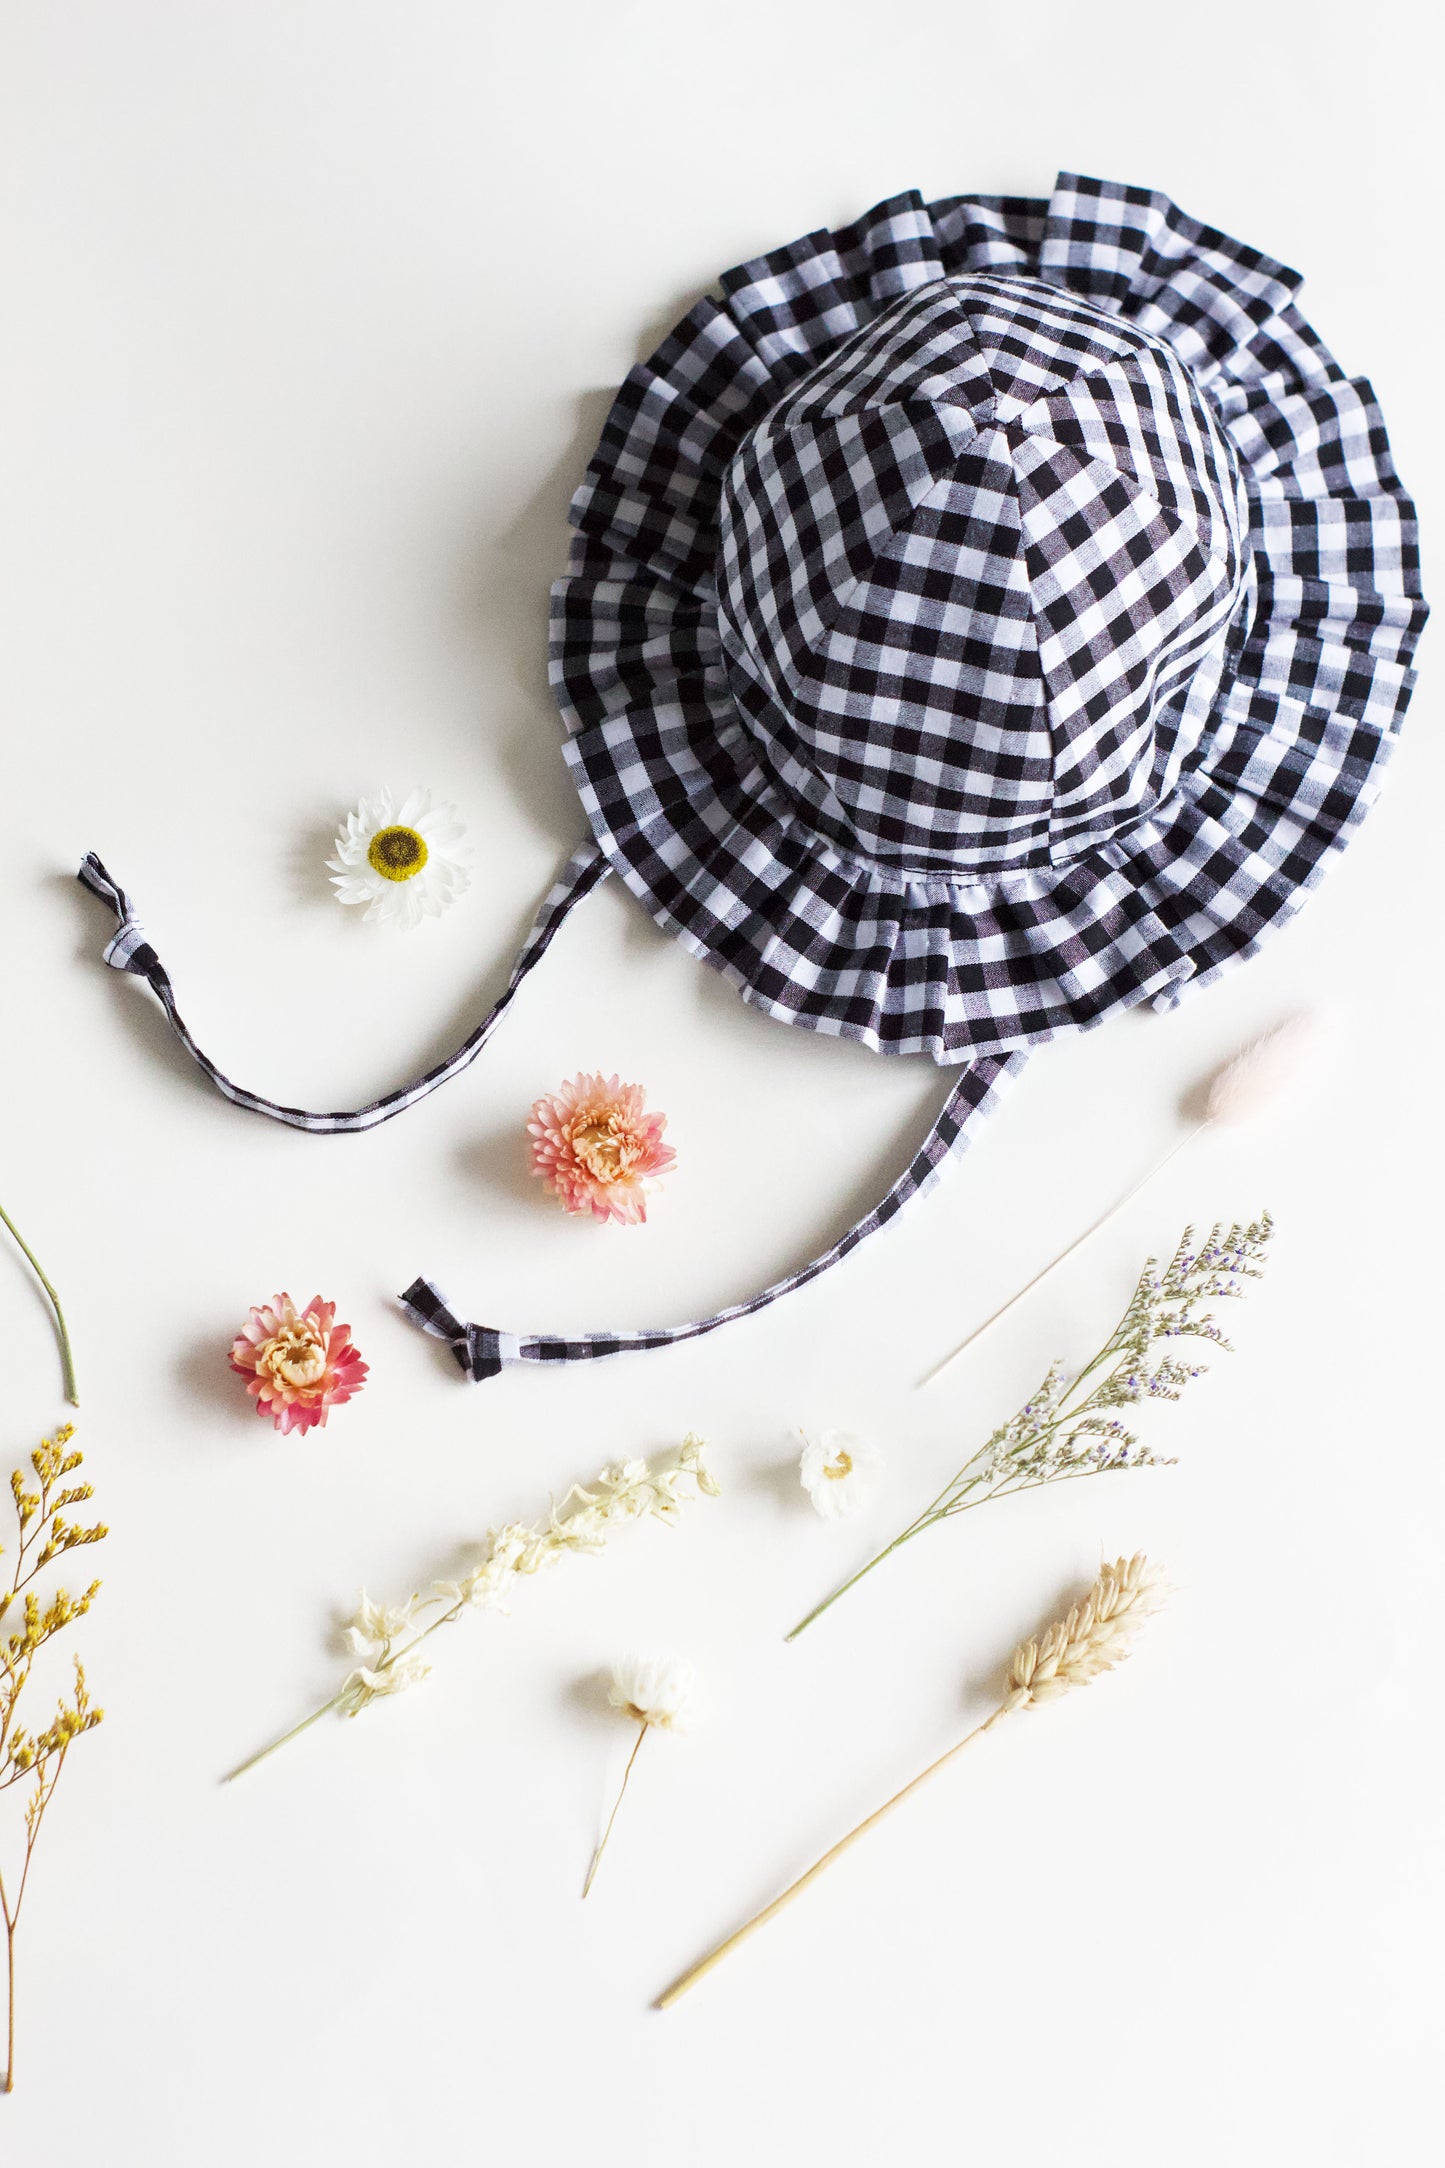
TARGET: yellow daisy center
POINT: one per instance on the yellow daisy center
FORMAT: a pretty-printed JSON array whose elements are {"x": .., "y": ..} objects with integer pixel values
[
  {"x": 840, "y": 1465},
  {"x": 396, "y": 853}
]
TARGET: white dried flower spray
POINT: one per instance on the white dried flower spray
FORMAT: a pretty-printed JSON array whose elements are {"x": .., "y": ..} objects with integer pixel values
[
  {"x": 1238, "y": 1089},
  {"x": 583, "y": 1522},
  {"x": 652, "y": 1691},
  {"x": 1091, "y": 1638},
  {"x": 1068, "y": 1430}
]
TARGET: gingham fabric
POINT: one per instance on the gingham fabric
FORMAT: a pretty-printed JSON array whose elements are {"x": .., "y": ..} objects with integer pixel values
[
  {"x": 890, "y": 573},
  {"x": 979, "y": 619},
  {"x": 129, "y": 950},
  {"x": 482, "y": 1351}
]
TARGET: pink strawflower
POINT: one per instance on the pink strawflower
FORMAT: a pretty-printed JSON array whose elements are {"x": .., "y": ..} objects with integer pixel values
[
  {"x": 299, "y": 1364},
  {"x": 593, "y": 1143}
]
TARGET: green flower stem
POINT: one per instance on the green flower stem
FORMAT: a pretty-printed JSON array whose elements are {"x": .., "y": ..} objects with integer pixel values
[
  {"x": 447, "y": 1618},
  {"x": 853, "y": 1579},
  {"x": 1018, "y": 1457},
  {"x": 954, "y": 1499},
  {"x": 294, "y": 1733},
  {"x": 66, "y": 1358}
]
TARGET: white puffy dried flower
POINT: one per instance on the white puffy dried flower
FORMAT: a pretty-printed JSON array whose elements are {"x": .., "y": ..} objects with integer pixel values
[
  {"x": 367, "y": 1684},
  {"x": 691, "y": 1460},
  {"x": 652, "y": 1690},
  {"x": 376, "y": 1624},
  {"x": 840, "y": 1472},
  {"x": 405, "y": 862}
]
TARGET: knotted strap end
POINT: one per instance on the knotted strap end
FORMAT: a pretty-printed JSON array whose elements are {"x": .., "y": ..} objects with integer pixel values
[
  {"x": 480, "y": 1351},
  {"x": 128, "y": 949}
]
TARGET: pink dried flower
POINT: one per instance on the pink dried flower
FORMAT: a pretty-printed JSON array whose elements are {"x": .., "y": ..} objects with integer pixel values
[
  {"x": 593, "y": 1143},
  {"x": 299, "y": 1363}
]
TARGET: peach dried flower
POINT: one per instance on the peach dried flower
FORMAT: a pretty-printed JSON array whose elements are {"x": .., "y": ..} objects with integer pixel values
[
  {"x": 596, "y": 1146},
  {"x": 298, "y": 1364}
]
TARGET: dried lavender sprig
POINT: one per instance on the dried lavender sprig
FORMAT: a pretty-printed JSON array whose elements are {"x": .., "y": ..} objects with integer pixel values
[{"x": 1063, "y": 1433}]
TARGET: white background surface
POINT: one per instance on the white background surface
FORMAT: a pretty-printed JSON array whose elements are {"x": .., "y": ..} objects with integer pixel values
[{"x": 312, "y": 316}]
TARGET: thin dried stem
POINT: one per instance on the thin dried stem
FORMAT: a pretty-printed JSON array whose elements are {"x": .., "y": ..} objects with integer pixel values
[
  {"x": 1052, "y": 1266},
  {"x": 607, "y": 1832},
  {"x": 704, "y": 1965},
  {"x": 1237, "y": 1089}
]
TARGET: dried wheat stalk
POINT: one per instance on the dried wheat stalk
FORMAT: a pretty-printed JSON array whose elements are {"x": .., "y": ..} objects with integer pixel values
[{"x": 1091, "y": 1638}]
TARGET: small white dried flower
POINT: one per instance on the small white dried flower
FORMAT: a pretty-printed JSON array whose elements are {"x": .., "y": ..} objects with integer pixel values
[
  {"x": 366, "y": 1684},
  {"x": 691, "y": 1461},
  {"x": 652, "y": 1690},
  {"x": 377, "y": 1624},
  {"x": 840, "y": 1472}
]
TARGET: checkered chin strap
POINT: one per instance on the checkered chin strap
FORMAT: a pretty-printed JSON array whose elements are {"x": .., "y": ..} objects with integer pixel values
[
  {"x": 952, "y": 621},
  {"x": 956, "y": 622},
  {"x": 482, "y": 1351}
]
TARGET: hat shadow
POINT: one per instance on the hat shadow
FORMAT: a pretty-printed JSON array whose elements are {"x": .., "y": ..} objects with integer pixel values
[
  {"x": 505, "y": 582},
  {"x": 504, "y": 590}
]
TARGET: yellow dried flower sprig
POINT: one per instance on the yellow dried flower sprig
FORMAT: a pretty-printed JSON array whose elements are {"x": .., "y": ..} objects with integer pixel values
[{"x": 36, "y": 1758}]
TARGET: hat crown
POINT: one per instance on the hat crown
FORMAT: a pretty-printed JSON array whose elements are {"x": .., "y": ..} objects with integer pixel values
[{"x": 968, "y": 570}]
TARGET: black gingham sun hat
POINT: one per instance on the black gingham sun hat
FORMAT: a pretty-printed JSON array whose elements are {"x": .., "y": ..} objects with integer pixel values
[{"x": 980, "y": 619}]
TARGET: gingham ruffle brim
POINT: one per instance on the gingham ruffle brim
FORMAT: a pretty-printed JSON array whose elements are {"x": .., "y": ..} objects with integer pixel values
[{"x": 1303, "y": 700}]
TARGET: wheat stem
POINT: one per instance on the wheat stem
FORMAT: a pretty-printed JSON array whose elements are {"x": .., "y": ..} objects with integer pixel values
[
  {"x": 621, "y": 1792},
  {"x": 1089, "y": 1639},
  {"x": 704, "y": 1965}
]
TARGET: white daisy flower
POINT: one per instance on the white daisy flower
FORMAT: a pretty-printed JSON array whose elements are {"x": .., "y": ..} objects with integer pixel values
[
  {"x": 839, "y": 1472},
  {"x": 405, "y": 862},
  {"x": 651, "y": 1689}
]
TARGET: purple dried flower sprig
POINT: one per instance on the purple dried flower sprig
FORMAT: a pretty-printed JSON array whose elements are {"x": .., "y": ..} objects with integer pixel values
[{"x": 1066, "y": 1431}]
